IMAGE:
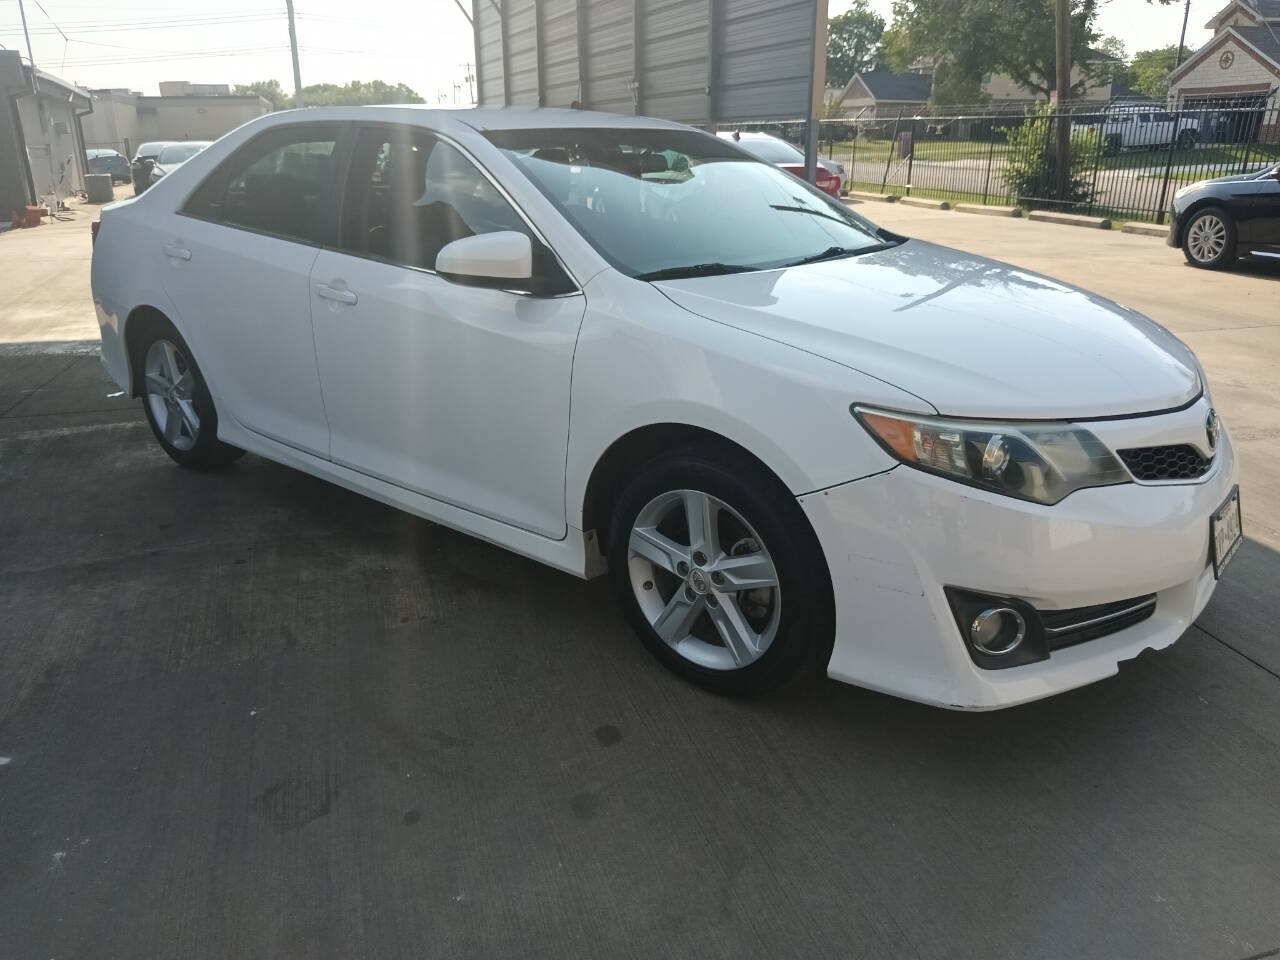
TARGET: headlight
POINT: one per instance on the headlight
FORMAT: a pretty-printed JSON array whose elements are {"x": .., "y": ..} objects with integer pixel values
[{"x": 1042, "y": 462}]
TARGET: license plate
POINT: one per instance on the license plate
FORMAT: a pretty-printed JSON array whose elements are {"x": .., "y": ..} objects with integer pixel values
[{"x": 1225, "y": 532}]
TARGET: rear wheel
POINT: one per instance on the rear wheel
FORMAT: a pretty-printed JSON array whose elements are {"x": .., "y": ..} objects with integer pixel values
[
  {"x": 721, "y": 574},
  {"x": 1209, "y": 239},
  {"x": 177, "y": 401},
  {"x": 1186, "y": 139}
]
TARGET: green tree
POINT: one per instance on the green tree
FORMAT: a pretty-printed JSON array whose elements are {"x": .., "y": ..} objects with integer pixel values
[
  {"x": 970, "y": 39},
  {"x": 1150, "y": 70},
  {"x": 358, "y": 92},
  {"x": 270, "y": 90},
  {"x": 1116, "y": 68},
  {"x": 853, "y": 38}
]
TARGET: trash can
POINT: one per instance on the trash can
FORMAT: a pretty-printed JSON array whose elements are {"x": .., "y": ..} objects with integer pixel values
[
  {"x": 98, "y": 187},
  {"x": 141, "y": 172}
]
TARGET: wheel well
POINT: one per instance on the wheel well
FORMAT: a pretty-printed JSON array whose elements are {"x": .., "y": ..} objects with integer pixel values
[
  {"x": 642, "y": 445},
  {"x": 141, "y": 321},
  {"x": 1192, "y": 211}
]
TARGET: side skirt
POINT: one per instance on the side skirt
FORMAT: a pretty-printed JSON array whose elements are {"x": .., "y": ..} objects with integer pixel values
[{"x": 577, "y": 553}]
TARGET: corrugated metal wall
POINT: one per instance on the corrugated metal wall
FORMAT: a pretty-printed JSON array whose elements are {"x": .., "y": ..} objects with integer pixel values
[{"x": 697, "y": 61}]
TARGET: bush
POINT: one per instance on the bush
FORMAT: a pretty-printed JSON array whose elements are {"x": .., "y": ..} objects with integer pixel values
[{"x": 1031, "y": 169}]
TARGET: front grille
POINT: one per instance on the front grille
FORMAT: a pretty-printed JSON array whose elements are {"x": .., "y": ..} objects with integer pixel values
[
  {"x": 1176, "y": 462},
  {"x": 1066, "y": 628}
]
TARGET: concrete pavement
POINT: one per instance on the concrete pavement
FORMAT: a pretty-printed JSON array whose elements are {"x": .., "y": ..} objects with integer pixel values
[{"x": 250, "y": 714}]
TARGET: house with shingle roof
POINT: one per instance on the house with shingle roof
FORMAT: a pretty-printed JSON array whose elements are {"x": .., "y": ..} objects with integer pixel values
[{"x": 1237, "y": 73}]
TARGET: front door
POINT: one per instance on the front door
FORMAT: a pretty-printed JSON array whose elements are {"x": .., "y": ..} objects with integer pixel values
[
  {"x": 237, "y": 262},
  {"x": 457, "y": 392},
  {"x": 1255, "y": 204}
]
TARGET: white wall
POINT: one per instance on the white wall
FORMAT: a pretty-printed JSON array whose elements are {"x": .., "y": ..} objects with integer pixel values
[{"x": 55, "y": 157}]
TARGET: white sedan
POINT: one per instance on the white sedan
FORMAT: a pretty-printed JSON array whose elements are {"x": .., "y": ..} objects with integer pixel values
[{"x": 797, "y": 442}]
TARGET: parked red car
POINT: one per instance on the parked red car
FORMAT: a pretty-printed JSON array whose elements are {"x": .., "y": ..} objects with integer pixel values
[{"x": 771, "y": 149}]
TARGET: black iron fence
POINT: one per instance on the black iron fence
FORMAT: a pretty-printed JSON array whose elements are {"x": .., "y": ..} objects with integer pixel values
[{"x": 1126, "y": 159}]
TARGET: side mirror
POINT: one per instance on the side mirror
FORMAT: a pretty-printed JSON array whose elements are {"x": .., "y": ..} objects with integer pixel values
[{"x": 487, "y": 259}]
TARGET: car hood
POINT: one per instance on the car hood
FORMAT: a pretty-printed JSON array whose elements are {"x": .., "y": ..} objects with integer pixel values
[{"x": 971, "y": 336}]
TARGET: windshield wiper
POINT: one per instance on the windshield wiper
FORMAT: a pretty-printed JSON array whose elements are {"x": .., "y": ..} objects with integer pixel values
[
  {"x": 789, "y": 208},
  {"x": 693, "y": 270},
  {"x": 833, "y": 253}
]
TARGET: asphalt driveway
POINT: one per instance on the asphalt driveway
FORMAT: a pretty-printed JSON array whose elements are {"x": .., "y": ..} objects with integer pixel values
[{"x": 249, "y": 714}]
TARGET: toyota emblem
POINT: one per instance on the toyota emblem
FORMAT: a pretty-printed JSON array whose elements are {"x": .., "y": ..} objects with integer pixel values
[{"x": 1212, "y": 428}]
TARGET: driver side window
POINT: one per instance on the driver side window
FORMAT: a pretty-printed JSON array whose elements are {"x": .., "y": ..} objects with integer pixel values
[{"x": 409, "y": 194}]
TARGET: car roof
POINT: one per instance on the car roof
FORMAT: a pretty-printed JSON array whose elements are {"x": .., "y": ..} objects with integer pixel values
[
  {"x": 482, "y": 119},
  {"x": 746, "y": 135},
  {"x": 102, "y": 152}
]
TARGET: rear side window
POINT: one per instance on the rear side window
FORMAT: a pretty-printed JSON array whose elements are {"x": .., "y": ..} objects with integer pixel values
[{"x": 283, "y": 183}]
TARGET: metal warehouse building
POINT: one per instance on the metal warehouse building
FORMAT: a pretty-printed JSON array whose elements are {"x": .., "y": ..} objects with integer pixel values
[{"x": 701, "y": 62}]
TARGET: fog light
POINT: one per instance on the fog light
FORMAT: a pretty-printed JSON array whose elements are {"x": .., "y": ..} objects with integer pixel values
[{"x": 997, "y": 631}]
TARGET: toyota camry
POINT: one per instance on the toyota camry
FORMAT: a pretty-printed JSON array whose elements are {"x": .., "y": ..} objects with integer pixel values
[{"x": 797, "y": 443}]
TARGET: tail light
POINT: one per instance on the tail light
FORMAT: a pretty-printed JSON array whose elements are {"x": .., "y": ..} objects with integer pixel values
[{"x": 94, "y": 227}]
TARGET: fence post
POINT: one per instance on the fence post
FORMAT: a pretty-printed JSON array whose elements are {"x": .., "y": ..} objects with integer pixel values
[
  {"x": 991, "y": 153},
  {"x": 911, "y": 157},
  {"x": 889, "y": 159},
  {"x": 1097, "y": 161},
  {"x": 1168, "y": 165}
]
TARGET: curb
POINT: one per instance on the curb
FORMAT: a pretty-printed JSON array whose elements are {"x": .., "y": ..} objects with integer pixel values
[
  {"x": 925, "y": 202},
  {"x": 1145, "y": 229},
  {"x": 866, "y": 195},
  {"x": 988, "y": 211},
  {"x": 1070, "y": 219}
]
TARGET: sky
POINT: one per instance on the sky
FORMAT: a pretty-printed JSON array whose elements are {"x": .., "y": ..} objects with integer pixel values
[{"x": 424, "y": 43}]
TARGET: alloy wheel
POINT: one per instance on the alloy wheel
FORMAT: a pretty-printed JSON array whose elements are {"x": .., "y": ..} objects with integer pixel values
[
  {"x": 1207, "y": 238},
  {"x": 170, "y": 389},
  {"x": 704, "y": 580}
]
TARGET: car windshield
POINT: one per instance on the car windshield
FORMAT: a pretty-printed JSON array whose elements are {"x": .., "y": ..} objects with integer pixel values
[
  {"x": 770, "y": 150},
  {"x": 660, "y": 203},
  {"x": 179, "y": 152}
]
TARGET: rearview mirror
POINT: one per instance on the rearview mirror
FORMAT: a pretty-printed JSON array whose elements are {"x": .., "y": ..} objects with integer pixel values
[{"x": 487, "y": 259}]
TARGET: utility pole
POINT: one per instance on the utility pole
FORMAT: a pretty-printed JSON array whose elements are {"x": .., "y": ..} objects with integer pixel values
[
  {"x": 1062, "y": 93},
  {"x": 293, "y": 46},
  {"x": 1182, "y": 39},
  {"x": 31, "y": 57},
  {"x": 817, "y": 91},
  {"x": 471, "y": 82}
]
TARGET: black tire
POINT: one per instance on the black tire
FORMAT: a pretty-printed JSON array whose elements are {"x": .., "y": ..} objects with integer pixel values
[
  {"x": 207, "y": 452},
  {"x": 1226, "y": 257},
  {"x": 1113, "y": 144},
  {"x": 805, "y": 630},
  {"x": 1186, "y": 139}
]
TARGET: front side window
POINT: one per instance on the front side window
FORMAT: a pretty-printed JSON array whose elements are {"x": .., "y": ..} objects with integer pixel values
[
  {"x": 282, "y": 183},
  {"x": 409, "y": 194},
  {"x": 657, "y": 202}
]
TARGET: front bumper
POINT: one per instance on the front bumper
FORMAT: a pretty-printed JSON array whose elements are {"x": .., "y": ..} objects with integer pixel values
[{"x": 895, "y": 540}]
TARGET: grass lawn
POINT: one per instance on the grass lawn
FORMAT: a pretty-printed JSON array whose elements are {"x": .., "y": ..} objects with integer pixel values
[
  {"x": 1229, "y": 157},
  {"x": 926, "y": 150}
]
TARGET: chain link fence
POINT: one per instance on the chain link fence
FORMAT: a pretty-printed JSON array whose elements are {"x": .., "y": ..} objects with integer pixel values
[{"x": 1126, "y": 158}]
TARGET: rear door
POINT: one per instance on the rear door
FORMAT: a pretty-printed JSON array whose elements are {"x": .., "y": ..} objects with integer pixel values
[
  {"x": 457, "y": 392},
  {"x": 239, "y": 257}
]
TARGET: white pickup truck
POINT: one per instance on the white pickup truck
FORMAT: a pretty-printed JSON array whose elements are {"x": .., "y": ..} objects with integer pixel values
[{"x": 1129, "y": 127}]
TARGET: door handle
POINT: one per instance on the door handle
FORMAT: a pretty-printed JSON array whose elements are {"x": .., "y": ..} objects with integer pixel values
[
  {"x": 326, "y": 292},
  {"x": 176, "y": 252}
]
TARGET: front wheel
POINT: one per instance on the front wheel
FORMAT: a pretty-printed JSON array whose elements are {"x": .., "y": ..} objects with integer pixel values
[
  {"x": 1209, "y": 239},
  {"x": 1186, "y": 139},
  {"x": 177, "y": 401},
  {"x": 721, "y": 575}
]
